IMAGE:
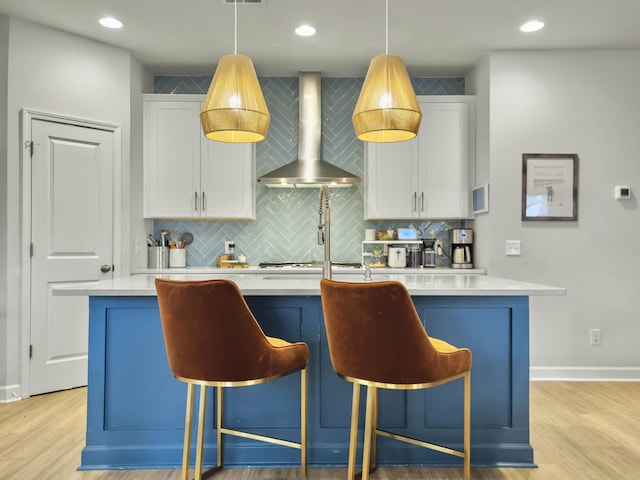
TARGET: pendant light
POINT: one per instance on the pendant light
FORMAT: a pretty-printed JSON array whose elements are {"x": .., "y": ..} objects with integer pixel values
[
  {"x": 387, "y": 109},
  {"x": 234, "y": 109}
]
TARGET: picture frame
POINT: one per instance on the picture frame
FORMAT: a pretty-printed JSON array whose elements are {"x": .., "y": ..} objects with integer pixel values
[
  {"x": 480, "y": 199},
  {"x": 550, "y": 186}
]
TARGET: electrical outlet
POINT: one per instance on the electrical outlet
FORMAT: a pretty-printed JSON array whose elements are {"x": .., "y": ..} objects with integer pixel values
[
  {"x": 594, "y": 336},
  {"x": 438, "y": 247},
  {"x": 512, "y": 247},
  {"x": 228, "y": 246},
  {"x": 137, "y": 247}
]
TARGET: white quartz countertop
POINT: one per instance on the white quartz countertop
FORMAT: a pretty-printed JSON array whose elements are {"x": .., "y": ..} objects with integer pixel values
[{"x": 275, "y": 283}]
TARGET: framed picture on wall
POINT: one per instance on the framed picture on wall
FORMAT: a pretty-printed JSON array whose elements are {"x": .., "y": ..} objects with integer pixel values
[
  {"x": 549, "y": 186},
  {"x": 480, "y": 198}
]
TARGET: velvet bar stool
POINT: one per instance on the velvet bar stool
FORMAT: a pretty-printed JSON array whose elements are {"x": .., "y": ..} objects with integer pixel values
[
  {"x": 376, "y": 339},
  {"x": 213, "y": 340}
]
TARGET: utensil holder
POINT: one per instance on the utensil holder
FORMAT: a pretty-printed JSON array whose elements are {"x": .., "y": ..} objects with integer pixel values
[
  {"x": 158, "y": 257},
  {"x": 177, "y": 257}
]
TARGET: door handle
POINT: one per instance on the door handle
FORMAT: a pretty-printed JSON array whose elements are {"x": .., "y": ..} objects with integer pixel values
[
  {"x": 195, "y": 196},
  {"x": 105, "y": 268},
  {"x": 415, "y": 201},
  {"x": 422, "y": 202},
  {"x": 204, "y": 205}
]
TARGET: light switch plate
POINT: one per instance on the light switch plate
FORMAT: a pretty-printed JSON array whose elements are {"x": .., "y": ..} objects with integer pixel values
[{"x": 512, "y": 247}]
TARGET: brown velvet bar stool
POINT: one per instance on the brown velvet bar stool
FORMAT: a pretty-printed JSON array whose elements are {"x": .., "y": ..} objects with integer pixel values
[
  {"x": 213, "y": 340},
  {"x": 376, "y": 339}
]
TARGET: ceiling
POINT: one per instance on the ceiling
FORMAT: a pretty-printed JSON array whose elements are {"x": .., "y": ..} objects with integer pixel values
[{"x": 434, "y": 37}]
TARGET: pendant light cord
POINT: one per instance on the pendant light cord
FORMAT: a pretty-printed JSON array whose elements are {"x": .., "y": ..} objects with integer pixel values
[
  {"x": 386, "y": 46},
  {"x": 235, "y": 27}
]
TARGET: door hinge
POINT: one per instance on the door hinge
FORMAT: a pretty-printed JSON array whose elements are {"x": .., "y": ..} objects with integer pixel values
[
  {"x": 30, "y": 351},
  {"x": 31, "y": 250},
  {"x": 29, "y": 144}
]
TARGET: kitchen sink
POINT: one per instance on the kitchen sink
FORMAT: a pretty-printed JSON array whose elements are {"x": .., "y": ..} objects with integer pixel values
[
  {"x": 287, "y": 265},
  {"x": 339, "y": 277},
  {"x": 294, "y": 277}
]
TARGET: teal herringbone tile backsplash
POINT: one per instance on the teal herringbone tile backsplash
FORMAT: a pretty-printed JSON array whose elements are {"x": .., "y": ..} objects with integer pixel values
[{"x": 287, "y": 220}]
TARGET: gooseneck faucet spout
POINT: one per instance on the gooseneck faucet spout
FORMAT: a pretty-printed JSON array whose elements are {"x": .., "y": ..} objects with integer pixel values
[
  {"x": 324, "y": 230},
  {"x": 367, "y": 273}
]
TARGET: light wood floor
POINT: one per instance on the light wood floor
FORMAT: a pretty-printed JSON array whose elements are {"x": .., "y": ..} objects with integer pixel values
[{"x": 579, "y": 431}]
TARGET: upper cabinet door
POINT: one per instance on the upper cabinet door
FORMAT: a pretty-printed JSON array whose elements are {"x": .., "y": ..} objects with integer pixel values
[
  {"x": 171, "y": 159},
  {"x": 228, "y": 180},
  {"x": 427, "y": 177},
  {"x": 391, "y": 180},
  {"x": 445, "y": 155},
  {"x": 185, "y": 174}
]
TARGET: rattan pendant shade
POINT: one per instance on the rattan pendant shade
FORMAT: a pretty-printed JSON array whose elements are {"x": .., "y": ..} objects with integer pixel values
[
  {"x": 387, "y": 109},
  {"x": 234, "y": 109}
]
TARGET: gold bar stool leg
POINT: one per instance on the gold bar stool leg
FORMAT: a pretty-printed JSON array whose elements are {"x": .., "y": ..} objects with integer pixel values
[
  {"x": 220, "y": 452},
  {"x": 303, "y": 422},
  {"x": 202, "y": 410},
  {"x": 467, "y": 426},
  {"x": 188, "y": 424},
  {"x": 353, "y": 436},
  {"x": 368, "y": 426},
  {"x": 374, "y": 436}
]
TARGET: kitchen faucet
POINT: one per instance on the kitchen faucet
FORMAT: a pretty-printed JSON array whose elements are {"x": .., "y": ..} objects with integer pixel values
[{"x": 324, "y": 230}]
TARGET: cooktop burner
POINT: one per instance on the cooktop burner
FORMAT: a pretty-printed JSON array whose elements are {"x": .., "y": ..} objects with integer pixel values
[{"x": 291, "y": 264}]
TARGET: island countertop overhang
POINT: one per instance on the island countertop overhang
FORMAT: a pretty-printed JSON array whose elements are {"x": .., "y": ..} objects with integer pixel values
[{"x": 283, "y": 284}]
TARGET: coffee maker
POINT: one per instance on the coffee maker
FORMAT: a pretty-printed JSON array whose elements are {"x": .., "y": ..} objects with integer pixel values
[
  {"x": 461, "y": 248},
  {"x": 428, "y": 253}
]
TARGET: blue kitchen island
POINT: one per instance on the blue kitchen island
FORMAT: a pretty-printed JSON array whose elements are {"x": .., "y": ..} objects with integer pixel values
[{"x": 135, "y": 408}]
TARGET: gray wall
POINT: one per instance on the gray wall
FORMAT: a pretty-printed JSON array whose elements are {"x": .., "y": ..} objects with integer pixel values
[{"x": 571, "y": 102}]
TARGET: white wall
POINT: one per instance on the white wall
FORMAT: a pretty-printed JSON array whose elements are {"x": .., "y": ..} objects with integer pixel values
[
  {"x": 478, "y": 84},
  {"x": 54, "y": 72},
  {"x": 572, "y": 102},
  {"x": 4, "y": 339},
  {"x": 141, "y": 82}
]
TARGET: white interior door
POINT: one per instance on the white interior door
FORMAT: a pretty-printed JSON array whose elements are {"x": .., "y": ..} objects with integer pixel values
[{"x": 72, "y": 240}]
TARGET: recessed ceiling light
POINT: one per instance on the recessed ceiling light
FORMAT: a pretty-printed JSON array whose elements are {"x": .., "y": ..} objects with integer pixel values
[
  {"x": 110, "y": 22},
  {"x": 532, "y": 26},
  {"x": 305, "y": 30}
]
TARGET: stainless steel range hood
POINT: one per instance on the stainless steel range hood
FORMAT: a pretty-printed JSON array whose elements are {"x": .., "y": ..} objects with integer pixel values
[{"x": 309, "y": 170}]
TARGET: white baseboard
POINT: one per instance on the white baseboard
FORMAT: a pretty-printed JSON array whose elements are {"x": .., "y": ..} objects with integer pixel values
[
  {"x": 10, "y": 393},
  {"x": 585, "y": 374}
]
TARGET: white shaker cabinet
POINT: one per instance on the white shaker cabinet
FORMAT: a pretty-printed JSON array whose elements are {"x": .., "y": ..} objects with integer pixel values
[
  {"x": 429, "y": 176},
  {"x": 185, "y": 174}
]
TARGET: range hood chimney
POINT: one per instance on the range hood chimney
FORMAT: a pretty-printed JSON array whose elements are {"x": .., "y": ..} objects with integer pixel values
[{"x": 309, "y": 170}]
